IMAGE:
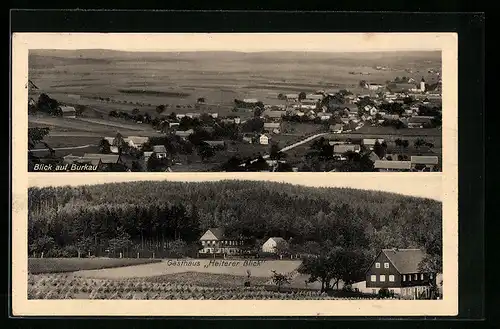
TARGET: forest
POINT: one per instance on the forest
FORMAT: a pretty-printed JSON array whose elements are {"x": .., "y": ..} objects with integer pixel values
[{"x": 171, "y": 216}]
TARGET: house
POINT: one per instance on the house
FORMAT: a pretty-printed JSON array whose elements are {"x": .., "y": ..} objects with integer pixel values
[
  {"x": 214, "y": 115},
  {"x": 344, "y": 148},
  {"x": 370, "y": 142},
  {"x": 146, "y": 156},
  {"x": 375, "y": 86},
  {"x": 419, "y": 122},
  {"x": 237, "y": 120},
  {"x": 271, "y": 126},
  {"x": 160, "y": 151},
  {"x": 273, "y": 115},
  {"x": 250, "y": 100},
  {"x": 184, "y": 133},
  {"x": 180, "y": 116},
  {"x": 384, "y": 165},
  {"x": 215, "y": 241},
  {"x": 248, "y": 138},
  {"x": 314, "y": 97},
  {"x": 292, "y": 97},
  {"x": 398, "y": 271},
  {"x": 264, "y": 139},
  {"x": 336, "y": 128},
  {"x": 114, "y": 149},
  {"x": 105, "y": 158},
  {"x": 136, "y": 141},
  {"x": 270, "y": 245},
  {"x": 424, "y": 163},
  {"x": 193, "y": 115},
  {"x": 173, "y": 124},
  {"x": 325, "y": 116},
  {"x": 68, "y": 111}
]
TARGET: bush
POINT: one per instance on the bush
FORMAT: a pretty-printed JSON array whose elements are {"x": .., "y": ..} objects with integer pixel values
[{"x": 385, "y": 293}]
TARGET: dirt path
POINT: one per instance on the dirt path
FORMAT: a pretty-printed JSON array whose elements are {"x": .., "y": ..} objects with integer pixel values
[{"x": 232, "y": 267}]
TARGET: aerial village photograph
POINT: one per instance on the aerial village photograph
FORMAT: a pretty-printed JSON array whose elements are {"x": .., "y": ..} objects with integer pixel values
[
  {"x": 235, "y": 110},
  {"x": 234, "y": 239}
]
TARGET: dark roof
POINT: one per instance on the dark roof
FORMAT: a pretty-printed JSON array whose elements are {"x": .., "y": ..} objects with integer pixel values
[
  {"x": 406, "y": 261},
  {"x": 159, "y": 149},
  {"x": 218, "y": 232},
  {"x": 105, "y": 158}
]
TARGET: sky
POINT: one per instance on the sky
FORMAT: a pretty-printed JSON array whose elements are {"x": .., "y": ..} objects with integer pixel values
[
  {"x": 246, "y": 42},
  {"x": 427, "y": 185}
]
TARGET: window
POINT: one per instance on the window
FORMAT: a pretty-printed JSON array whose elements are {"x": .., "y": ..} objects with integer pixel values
[
  {"x": 382, "y": 278},
  {"x": 422, "y": 276},
  {"x": 430, "y": 276},
  {"x": 373, "y": 278},
  {"x": 377, "y": 265},
  {"x": 416, "y": 276},
  {"x": 386, "y": 265},
  {"x": 404, "y": 277},
  {"x": 409, "y": 277},
  {"x": 391, "y": 278}
]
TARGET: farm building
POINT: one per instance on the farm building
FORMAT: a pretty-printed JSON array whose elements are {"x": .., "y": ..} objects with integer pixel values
[
  {"x": 370, "y": 142},
  {"x": 292, "y": 97},
  {"x": 136, "y": 141},
  {"x": 214, "y": 241},
  {"x": 384, "y": 165},
  {"x": 68, "y": 111},
  {"x": 419, "y": 122},
  {"x": 160, "y": 151},
  {"x": 248, "y": 138},
  {"x": 325, "y": 116},
  {"x": 424, "y": 163},
  {"x": 343, "y": 148},
  {"x": 184, "y": 133},
  {"x": 273, "y": 115},
  {"x": 398, "y": 271},
  {"x": 271, "y": 243},
  {"x": 264, "y": 139},
  {"x": 271, "y": 126}
]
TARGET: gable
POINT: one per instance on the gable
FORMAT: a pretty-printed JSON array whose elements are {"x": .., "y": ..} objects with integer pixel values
[{"x": 208, "y": 236}]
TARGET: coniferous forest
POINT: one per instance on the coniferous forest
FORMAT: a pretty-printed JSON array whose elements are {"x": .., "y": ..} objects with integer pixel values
[{"x": 165, "y": 217}]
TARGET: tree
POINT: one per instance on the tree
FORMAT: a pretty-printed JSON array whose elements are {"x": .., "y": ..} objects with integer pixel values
[
  {"x": 363, "y": 84},
  {"x": 205, "y": 151},
  {"x": 160, "y": 109},
  {"x": 281, "y": 248},
  {"x": 201, "y": 100},
  {"x": 119, "y": 142},
  {"x": 419, "y": 142},
  {"x": 380, "y": 149},
  {"x": 135, "y": 111},
  {"x": 302, "y": 95},
  {"x": 257, "y": 111},
  {"x": 281, "y": 96},
  {"x": 36, "y": 135},
  {"x": 104, "y": 146},
  {"x": 280, "y": 279},
  {"x": 121, "y": 242},
  {"x": 334, "y": 263},
  {"x": 177, "y": 248}
]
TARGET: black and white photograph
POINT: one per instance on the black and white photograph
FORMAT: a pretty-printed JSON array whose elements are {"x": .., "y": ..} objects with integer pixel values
[
  {"x": 234, "y": 174},
  {"x": 233, "y": 239},
  {"x": 219, "y": 103}
]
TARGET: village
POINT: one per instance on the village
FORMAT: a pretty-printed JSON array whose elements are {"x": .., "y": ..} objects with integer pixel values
[{"x": 391, "y": 126}]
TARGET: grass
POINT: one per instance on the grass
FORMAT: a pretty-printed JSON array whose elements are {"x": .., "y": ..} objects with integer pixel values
[{"x": 60, "y": 265}]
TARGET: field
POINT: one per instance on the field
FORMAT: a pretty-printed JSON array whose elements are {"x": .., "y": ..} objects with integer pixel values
[
  {"x": 57, "y": 286},
  {"x": 101, "y": 278},
  {"x": 102, "y": 81},
  {"x": 57, "y": 265}
]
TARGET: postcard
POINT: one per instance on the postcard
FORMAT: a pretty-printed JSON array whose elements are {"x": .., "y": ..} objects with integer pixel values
[{"x": 350, "y": 235}]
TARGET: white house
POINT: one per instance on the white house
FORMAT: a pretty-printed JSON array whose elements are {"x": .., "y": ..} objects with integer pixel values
[
  {"x": 264, "y": 139},
  {"x": 136, "y": 141},
  {"x": 271, "y": 243},
  {"x": 68, "y": 111},
  {"x": 160, "y": 151},
  {"x": 214, "y": 241}
]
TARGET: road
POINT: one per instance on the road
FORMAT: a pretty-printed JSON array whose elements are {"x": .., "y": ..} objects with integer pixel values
[
  {"x": 64, "y": 148},
  {"x": 289, "y": 147}
]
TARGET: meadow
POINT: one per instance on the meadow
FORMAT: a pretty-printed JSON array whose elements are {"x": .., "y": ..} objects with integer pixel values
[{"x": 57, "y": 265}]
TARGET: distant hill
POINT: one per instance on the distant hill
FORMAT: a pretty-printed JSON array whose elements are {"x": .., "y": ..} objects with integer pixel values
[{"x": 166, "y": 210}]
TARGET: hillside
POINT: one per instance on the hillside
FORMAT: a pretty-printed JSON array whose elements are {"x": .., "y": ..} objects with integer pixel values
[{"x": 164, "y": 211}]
